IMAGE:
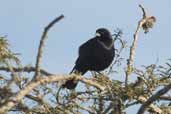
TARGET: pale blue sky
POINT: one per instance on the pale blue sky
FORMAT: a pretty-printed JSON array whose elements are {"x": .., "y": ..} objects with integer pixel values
[{"x": 23, "y": 22}]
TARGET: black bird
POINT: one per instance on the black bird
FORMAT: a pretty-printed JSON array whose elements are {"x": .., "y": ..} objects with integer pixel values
[{"x": 94, "y": 55}]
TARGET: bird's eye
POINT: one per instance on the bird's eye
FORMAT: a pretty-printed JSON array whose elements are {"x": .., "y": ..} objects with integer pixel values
[{"x": 98, "y": 34}]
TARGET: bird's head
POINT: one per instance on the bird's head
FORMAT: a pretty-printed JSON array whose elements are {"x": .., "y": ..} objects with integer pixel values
[{"x": 103, "y": 33}]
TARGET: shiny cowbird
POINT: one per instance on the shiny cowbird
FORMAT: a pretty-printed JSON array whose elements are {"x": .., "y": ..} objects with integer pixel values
[{"x": 94, "y": 55}]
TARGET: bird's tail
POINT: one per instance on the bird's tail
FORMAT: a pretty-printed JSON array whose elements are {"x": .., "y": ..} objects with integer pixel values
[
  {"x": 71, "y": 84},
  {"x": 73, "y": 70}
]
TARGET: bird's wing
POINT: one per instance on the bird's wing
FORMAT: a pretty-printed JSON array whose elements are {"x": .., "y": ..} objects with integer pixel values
[
  {"x": 86, "y": 52},
  {"x": 86, "y": 49}
]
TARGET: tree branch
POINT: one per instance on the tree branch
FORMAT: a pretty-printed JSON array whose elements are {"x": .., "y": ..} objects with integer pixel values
[
  {"x": 151, "y": 106},
  {"x": 133, "y": 46},
  {"x": 25, "y": 69},
  {"x": 153, "y": 98},
  {"x": 42, "y": 42},
  {"x": 167, "y": 98},
  {"x": 44, "y": 80}
]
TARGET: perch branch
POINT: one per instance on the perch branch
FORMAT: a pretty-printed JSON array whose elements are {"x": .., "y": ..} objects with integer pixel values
[
  {"x": 42, "y": 42},
  {"x": 44, "y": 80}
]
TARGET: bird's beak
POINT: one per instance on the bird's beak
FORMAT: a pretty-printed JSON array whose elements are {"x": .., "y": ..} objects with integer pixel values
[{"x": 98, "y": 34}]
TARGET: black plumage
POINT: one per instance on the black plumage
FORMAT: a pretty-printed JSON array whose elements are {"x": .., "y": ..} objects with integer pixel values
[{"x": 94, "y": 55}]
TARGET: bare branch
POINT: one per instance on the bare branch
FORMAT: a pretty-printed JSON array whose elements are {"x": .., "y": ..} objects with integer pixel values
[
  {"x": 151, "y": 106},
  {"x": 154, "y": 98},
  {"x": 44, "y": 80},
  {"x": 37, "y": 99},
  {"x": 90, "y": 82},
  {"x": 42, "y": 42},
  {"x": 131, "y": 104},
  {"x": 134, "y": 43},
  {"x": 143, "y": 10},
  {"x": 25, "y": 69},
  {"x": 167, "y": 98},
  {"x": 133, "y": 47},
  {"x": 108, "y": 108}
]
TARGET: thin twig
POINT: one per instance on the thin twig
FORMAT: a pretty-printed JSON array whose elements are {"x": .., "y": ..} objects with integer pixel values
[
  {"x": 143, "y": 10},
  {"x": 44, "y": 80},
  {"x": 110, "y": 106},
  {"x": 131, "y": 104},
  {"x": 133, "y": 46},
  {"x": 167, "y": 98},
  {"x": 86, "y": 109},
  {"x": 37, "y": 99},
  {"x": 42, "y": 42}
]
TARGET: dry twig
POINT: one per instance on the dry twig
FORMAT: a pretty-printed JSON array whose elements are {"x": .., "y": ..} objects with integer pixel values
[
  {"x": 133, "y": 46},
  {"x": 145, "y": 23},
  {"x": 25, "y": 69},
  {"x": 41, "y": 45}
]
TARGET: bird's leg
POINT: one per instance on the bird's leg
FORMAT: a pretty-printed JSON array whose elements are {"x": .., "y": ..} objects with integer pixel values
[{"x": 101, "y": 74}]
